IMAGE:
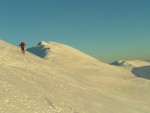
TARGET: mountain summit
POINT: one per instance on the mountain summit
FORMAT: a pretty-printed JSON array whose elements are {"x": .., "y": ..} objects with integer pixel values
[
  {"x": 60, "y": 52},
  {"x": 66, "y": 80}
]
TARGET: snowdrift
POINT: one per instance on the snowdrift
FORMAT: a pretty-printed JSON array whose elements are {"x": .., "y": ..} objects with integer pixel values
[{"x": 66, "y": 80}]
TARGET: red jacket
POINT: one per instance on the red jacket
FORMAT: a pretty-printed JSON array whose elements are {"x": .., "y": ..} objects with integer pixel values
[{"x": 22, "y": 45}]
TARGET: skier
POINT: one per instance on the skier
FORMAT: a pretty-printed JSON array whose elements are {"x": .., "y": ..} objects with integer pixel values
[{"x": 22, "y": 45}]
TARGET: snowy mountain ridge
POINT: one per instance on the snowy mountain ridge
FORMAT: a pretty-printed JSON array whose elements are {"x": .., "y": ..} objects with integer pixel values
[
  {"x": 137, "y": 67},
  {"x": 67, "y": 57},
  {"x": 66, "y": 81},
  {"x": 59, "y": 49},
  {"x": 132, "y": 63}
]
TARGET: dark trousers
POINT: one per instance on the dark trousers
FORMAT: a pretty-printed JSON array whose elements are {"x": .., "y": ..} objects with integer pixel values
[{"x": 22, "y": 49}]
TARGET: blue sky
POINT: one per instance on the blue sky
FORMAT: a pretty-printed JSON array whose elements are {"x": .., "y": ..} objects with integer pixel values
[{"x": 105, "y": 29}]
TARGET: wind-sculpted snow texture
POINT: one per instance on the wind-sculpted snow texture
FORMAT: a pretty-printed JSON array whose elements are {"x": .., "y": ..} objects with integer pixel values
[{"x": 66, "y": 80}]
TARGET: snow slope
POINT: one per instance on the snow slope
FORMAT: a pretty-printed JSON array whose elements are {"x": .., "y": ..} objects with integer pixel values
[
  {"x": 138, "y": 67},
  {"x": 67, "y": 81}
]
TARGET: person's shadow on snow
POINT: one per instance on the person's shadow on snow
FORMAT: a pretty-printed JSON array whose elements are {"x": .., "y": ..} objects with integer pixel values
[{"x": 143, "y": 72}]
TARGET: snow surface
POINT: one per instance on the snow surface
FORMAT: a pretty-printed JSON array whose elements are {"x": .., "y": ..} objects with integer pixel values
[{"x": 66, "y": 81}]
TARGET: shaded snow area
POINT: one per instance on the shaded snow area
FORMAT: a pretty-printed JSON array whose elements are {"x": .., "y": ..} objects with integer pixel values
[
  {"x": 138, "y": 67},
  {"x": 66, "y": 80},
  {"x": 143, "y": 71}
]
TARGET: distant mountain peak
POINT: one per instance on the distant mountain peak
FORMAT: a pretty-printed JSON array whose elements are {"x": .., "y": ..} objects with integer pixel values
[{"x": 130, "y": 63}]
